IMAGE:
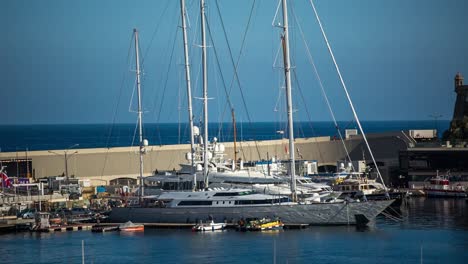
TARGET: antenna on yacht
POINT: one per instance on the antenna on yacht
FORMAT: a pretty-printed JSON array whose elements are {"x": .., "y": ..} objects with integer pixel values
[
  {"x": 287, "y": 74},
  {"x": 205, "y": 94},
  {"x": 189, "y": 92},
  {"x": 143, "y": 143}
]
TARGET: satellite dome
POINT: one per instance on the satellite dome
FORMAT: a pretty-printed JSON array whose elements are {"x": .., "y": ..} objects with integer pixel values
[{"x": 196, "y": 131}]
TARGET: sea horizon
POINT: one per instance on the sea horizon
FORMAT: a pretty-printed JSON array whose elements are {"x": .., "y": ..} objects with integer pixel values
[
  {"x": 226, "y": 122},
  {"x": 62, "y": 136}
]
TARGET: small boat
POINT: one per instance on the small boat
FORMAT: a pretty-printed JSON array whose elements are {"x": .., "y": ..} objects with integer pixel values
[
  {"x": 264, "y": 224},
  {"x": 357, "y": 187},
  {"x": 55, "y": 220},
  {"x": 212, "y": 226},
  {"x": 104, "y": 228},
  {"x": 131, "y": 227},
  {"x": 440, "y": 187}
]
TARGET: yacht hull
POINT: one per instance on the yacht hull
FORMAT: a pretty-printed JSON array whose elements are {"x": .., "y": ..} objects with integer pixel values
[{"x": 289, "y": 214}]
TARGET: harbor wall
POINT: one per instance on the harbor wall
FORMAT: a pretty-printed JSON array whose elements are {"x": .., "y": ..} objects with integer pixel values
[{"x": 101, "y": 165}]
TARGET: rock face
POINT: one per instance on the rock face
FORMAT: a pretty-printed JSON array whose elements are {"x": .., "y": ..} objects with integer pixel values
[{"x": 458, "y": 131}]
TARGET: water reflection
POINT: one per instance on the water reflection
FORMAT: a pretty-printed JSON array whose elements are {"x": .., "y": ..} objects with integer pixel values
[
  {"x": 444, "y": 213},
  {"x": 439, "y": 226}
]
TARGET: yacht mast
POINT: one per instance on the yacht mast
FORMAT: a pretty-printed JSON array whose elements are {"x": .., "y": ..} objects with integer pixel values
[
  {"x": 235, "y": 136},
  {"x": 205, "y": 94},
  {"x": 189, "y": 91},
  {"x": 140, "y": 132},
  {"x": 287, "y": 73}
]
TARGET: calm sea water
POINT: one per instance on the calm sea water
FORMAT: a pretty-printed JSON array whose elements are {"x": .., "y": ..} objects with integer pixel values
[
  {"x": 433, "y": 231},
  {"x": 41, "y": 137}
]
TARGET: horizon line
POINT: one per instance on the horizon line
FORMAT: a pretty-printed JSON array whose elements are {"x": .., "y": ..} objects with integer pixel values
[{"x": 152, "y": 123}]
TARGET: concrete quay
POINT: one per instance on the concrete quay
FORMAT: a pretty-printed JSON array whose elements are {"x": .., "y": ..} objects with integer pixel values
[
  {"x": 13, "y": 224},
  {"x": 103, "y": 165}
]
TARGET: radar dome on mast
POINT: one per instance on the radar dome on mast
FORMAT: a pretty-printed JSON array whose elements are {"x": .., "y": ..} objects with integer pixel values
[{"x": 196, "y": 131}]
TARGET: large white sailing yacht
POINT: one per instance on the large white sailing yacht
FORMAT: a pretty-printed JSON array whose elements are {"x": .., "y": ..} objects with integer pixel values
[{"x": 233, "y": 204}]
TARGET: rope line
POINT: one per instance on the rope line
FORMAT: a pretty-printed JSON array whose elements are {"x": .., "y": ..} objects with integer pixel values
[
  {"x": 319, "y": 80},
  {"x": 111, "y": 127},
  {"x": 347, "y": 94},
  {"x": 236, "y": 64}
]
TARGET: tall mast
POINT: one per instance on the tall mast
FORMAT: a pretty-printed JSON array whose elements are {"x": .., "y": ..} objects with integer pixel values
[
  {"x": 287, "y": 74},
  {"x": 235, "y": 136},
  {"x": 189, "y": 90},
  {"x": 140, "y": 132},
  {"x": 205, "y": 94}
]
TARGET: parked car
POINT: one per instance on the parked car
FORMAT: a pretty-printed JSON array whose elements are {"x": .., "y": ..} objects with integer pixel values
[
  {"x": 63, "y": 212},
  {"x": 80, "y": 211},
  {"x": 28, "y": 214},
  {"x": 74, "y": 196}
]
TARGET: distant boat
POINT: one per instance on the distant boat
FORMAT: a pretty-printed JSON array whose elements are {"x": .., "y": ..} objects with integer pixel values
[
  {"x": 440, "y": 187},
  {"x": 367, "y": 189},
  {"x": 104, "y": 228},
  {"x": 211, "y": 226},
  {"x": 264, "y": 224},
  {"x": 131, "y": 227}
]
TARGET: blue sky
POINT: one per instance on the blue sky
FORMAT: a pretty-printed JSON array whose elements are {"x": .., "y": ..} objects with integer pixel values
[{"x": 64, "y": 61}]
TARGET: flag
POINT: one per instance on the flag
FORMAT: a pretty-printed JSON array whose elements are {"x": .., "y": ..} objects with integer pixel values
[{"x": 6, "y": 182}]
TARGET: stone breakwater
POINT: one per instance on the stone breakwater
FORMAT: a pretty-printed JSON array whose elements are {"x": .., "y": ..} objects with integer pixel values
[{"x": 101, "y": 165}]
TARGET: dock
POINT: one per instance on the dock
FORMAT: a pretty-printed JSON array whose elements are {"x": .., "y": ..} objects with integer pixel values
[
  {"x": 13, "y": 224},
  {"x": 190, "y": 225},
  {"x": 27, "y": 224},
  {"x": 64, "y": 228}
]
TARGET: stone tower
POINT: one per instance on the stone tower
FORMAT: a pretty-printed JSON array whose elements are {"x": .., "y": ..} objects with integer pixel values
[{"x": 461, "y": 104}]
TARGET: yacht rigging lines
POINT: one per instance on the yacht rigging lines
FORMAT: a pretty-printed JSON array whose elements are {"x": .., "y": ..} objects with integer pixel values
[
  {"x": 347, "y": 94},
  {"x": 236, "y": 204}
]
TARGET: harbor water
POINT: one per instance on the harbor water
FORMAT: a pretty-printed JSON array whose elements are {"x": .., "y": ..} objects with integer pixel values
[{"x": 432, "y": 231}]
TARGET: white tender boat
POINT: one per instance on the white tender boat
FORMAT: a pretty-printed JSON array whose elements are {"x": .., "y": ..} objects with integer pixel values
[{"x": 211, "y": 226}]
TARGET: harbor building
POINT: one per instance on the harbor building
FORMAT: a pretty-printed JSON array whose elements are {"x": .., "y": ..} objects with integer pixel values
[
  {"x": 425, "y": 159},
  {"x": 423, "y": 163}
]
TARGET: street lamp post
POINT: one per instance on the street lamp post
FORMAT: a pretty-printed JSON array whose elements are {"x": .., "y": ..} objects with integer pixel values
[
  {"x": 66, "y": 157},
  {"x": 436, "y": 118}
]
